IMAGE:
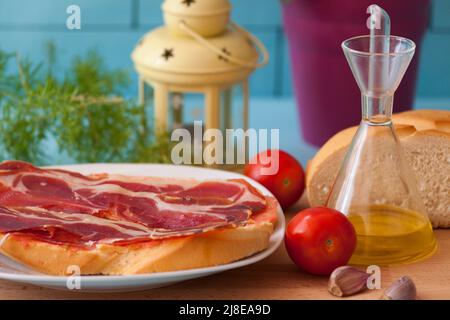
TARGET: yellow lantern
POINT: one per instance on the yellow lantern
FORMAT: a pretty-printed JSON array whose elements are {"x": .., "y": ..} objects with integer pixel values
[{"x": 198, "y": 50}]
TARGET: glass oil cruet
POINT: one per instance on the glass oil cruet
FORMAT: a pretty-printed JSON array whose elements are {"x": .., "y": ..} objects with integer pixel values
[{"x": 375, "y": 187}]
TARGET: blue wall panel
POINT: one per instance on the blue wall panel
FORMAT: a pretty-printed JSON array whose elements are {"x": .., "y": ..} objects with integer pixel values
[
  {"x": 286, "y": 78},
  {"x": 434, "y": 70},
  {"x": 256, "y": 12},
  {"x": 441, "y": 15},
  {"x": 262, "y": 82},
  {"x": 25, "y": 13},
  {"x": 113, "y": 26},
  {"x": 150, "y": 12}
]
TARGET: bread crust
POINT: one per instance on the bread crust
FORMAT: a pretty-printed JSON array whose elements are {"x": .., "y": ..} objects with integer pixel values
[
  {"x": 212, "y": 248},
  {"x": 202, "y": 250},
  {"x": 409, "y": 125}
]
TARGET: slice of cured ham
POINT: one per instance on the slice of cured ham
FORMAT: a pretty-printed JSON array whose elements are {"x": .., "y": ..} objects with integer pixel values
[{"x": 62, "y": 206}]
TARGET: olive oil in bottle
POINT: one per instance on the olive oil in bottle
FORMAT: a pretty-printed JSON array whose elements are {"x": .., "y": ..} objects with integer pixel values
[{"x": 391, "y": 235}]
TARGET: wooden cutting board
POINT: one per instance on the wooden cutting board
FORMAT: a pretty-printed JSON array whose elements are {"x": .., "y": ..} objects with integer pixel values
[{"x": 273, "y": 278}]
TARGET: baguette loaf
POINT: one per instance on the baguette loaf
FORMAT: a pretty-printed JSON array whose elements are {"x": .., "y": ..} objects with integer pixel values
[{"x": 425, "y": 137}]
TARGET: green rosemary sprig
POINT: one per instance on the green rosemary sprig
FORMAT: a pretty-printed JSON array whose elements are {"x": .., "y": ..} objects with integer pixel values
[{"x": 83, "y": 113}]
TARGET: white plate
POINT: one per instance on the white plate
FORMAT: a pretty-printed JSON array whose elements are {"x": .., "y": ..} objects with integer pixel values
[{"x": 13, "y": 271}]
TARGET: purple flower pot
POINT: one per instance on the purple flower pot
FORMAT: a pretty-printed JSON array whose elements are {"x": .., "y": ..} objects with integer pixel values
[{"x": 327, "y": 95}]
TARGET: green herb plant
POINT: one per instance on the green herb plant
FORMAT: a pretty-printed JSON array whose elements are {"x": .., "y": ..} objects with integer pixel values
[{"x": 83, "y": 113}]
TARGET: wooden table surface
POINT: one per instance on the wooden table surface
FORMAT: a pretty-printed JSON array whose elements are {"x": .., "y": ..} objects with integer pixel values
[{"x": 276, "y": 277}]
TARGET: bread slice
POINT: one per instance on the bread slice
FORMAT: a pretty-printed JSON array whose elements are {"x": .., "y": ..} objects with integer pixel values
[
  {"x": 425, "y": 137},
  {"x": 203, "y": 250}
]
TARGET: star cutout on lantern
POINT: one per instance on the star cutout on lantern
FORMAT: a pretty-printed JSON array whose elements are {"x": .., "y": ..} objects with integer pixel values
[
  {"x": 167, "y": 54},
  {"x": 225, "y": 53},
  {"x": 188, "y": 2}
]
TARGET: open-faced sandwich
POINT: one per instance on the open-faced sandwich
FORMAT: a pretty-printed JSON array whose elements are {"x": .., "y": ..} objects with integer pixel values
[{"x": 52, "y": 220}]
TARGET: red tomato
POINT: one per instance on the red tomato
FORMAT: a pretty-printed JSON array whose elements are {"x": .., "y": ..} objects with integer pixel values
[
  {"x": 287, "y": 184},
  {"x": 320, "y": 239}
]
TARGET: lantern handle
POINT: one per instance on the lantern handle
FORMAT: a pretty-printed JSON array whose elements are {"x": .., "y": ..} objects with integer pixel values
[{"x": 262, "y": 49}]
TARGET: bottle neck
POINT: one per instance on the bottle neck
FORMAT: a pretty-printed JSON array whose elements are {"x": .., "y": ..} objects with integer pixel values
[{"x": 377, "y": 110}]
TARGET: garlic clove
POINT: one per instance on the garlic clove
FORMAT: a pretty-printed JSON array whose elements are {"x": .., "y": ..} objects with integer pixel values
[
  {"x": 402, "y": 289},
  {"x": 346, "y": 281}
]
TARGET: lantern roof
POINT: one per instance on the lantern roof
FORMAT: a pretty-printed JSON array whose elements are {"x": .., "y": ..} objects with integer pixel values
[{"x": 162, "y": 55}]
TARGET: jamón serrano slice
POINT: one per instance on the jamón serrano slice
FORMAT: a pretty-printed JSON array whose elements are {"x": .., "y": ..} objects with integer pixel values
[{"x": 61, "y": 206}]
